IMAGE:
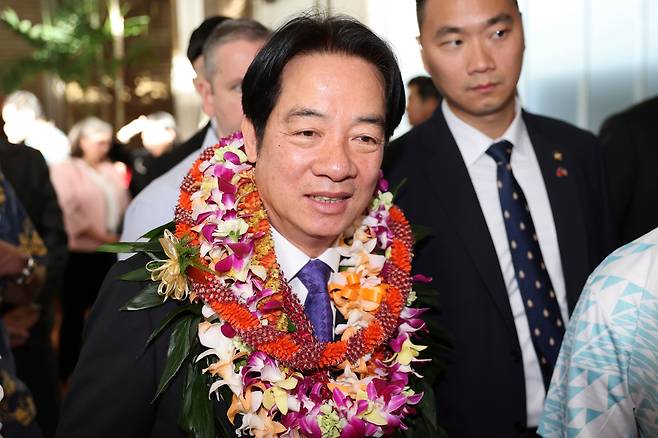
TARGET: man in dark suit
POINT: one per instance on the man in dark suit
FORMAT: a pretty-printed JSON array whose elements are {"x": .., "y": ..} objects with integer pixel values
[
  {"x": 27, "y": 171},
  {"x": 518, "y": 217},
  {"x": 227, "y": 52},
  {"x": 320, "y": 101},
  {"x": 630, "y": 150}
]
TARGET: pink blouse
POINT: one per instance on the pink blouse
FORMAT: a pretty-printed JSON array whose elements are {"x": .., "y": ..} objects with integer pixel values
[{"x": 91, "y": 199}]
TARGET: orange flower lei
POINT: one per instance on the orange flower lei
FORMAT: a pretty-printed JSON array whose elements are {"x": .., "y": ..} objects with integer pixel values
[{"x": 279, "y": 326}]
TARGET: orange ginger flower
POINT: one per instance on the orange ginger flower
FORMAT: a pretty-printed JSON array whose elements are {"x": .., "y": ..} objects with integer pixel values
[
  {"x": 394, "y": 300},
  {"x": 182, "y": 230},
  {"x": 332, "y": 352},
  {"x": 396, "y": 215},
  {"x": 283, "y": 348},
  {"x": 268, "y": 260},
  {"x": 400, "y": 256},
  {"x": 195, "y": 173},
  {"x": 236, "y": 315},
  {"x": 250, "y": 203},
  {"x": 184, "y": 200},
  {"x": 372, "y": 335}
]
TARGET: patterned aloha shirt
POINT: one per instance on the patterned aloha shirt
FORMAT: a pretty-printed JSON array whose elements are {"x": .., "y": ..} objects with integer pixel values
[
  {"x": 606, "y": 379},
  {"x": 17, "y": 409}
]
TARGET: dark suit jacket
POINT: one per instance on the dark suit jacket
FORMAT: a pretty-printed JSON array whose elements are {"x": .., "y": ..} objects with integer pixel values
[
  {"x": 483, "y": 391},
  {"x": 630, "y": 149},
  {"x": 162, "y": 164},
  {"x": 116, "y": 378},
  {"x": 113, "y": 384}
]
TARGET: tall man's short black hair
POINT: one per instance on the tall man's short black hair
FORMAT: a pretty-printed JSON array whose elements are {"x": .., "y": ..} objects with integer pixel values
[
  {"x": 309, "y": 34},
  {"x": 425, "y": 86},
  {"x": 201, "y": 34},
  {"x": 420, "y": 11}
]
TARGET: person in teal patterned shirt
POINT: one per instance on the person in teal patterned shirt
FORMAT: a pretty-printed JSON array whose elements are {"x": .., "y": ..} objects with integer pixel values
[{"x": 606, "y": 379}]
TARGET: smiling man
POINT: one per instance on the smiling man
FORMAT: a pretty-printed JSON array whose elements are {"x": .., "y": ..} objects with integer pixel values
[
  {"x": 320, "y": 99},
  {"x": 517, "y": 209}
]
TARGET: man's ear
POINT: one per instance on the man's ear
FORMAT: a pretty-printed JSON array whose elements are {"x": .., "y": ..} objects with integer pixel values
[
  {"x": 422, "y": 53},
  {"x": 250, "y": 139},
  {"x": 205, "y": 91}
]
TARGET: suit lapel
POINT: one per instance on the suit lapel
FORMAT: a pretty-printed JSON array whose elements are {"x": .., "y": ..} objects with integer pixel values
[
  {"x": 452, "y": 184},
  {"x": 560, "y": 180},
  {"x": 339, "y": 319}
]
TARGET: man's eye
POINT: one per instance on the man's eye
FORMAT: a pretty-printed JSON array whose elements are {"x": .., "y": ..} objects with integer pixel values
[
  {"x": 452, "y": 44},
  {"x": 306, "y": 133},
  {"x": 501, "y": 33},
  {"x": 367, "y": 139}
]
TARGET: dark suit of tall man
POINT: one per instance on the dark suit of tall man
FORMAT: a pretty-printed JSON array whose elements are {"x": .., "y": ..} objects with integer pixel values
[
  {"x": 483, "y": 391},
  {"x": 630, "y": 149}
]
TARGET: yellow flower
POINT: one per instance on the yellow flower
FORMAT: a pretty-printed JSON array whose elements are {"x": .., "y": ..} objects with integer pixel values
[
  {"x": 278, "y": 395},
  {"x": 408, "y": 352},
  {"x": 173, "y": 283}
]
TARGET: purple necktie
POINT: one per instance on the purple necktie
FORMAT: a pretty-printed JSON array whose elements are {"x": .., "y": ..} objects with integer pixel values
[{"x": 315, "y": 276}]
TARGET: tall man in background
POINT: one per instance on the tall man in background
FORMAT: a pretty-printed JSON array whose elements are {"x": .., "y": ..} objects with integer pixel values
[
  {"x": 517, "y": 209},
  {"x": 227, "y": 53},
  {"x": 630, "y": 151}
]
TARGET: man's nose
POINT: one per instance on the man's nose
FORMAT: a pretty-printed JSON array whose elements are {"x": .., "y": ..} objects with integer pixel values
[
  {"x": 335, "y": 160},
  {"x": 479, "y": 58}
]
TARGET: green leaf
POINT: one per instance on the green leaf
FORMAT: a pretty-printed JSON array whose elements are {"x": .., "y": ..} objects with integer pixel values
[
  {"x": 127, "y": 247},
  {"x": 397, "y": 188},
  {"x": 197, "y": 415},
  {"x": 424, "y": 423},
  {"x": 420, "y": 232},
  {"x": 171, "y": 316},
  {"x": 146, "y": 299},
  {"x": 140, "y": 274},
  {"x": 179, "y": 350},
  {"x": 157, "y": 232}
]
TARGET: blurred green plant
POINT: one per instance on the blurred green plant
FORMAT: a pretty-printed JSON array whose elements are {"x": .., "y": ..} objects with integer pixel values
[{"x": 76, "y": 45}]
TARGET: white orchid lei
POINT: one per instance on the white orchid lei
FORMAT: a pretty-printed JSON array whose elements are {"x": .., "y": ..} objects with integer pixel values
[{"x": 257, "y": 350}]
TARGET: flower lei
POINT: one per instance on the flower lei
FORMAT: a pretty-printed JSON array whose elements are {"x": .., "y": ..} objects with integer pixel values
[{"x": 260, "y": 344}]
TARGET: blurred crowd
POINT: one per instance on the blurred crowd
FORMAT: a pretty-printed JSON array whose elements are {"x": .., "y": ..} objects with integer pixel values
[{"x": 62, "y": 196}]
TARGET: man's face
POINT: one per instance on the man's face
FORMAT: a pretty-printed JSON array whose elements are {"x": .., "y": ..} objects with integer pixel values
[
  {"x": 473, "y": 50},
  {"x": 419, "y": 109},
  {"x": 322, "y": 147},
  {"x": 223, "y": 99}
]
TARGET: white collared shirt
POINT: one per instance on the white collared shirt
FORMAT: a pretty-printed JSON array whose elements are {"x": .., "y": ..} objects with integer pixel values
[
  {"x": 155, "y": 204},
  {"x": 291, "y": 260},
  {"x": 481, "y": 168}
]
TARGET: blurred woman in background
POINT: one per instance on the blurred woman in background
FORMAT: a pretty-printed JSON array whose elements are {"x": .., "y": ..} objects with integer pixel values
[{"x": 93, "y": 195}]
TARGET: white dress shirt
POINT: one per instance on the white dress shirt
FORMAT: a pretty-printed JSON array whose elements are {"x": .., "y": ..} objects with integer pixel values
[
  {"x": 155, "y": 205},
  {"x": 292, "y": 259},
  {"x": 481, "y": 168}
]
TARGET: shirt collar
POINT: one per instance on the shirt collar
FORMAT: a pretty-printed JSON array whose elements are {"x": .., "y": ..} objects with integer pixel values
[
  {"x": 473, "y": 143},
  {"x": 291, "y": 259}
]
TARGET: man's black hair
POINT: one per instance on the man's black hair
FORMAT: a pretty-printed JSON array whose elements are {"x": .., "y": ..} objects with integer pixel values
[
  {"x": 309, "y": 34},
  {"x": 426, "y": 88},
  {"x": 420, "y": 11},
  {"x": 201, "y": 34}
]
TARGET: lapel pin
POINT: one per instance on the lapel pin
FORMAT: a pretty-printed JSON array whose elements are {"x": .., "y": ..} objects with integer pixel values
[
  {"x": 561, "y": 172},
  {"x": 557, "y": 155}
]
